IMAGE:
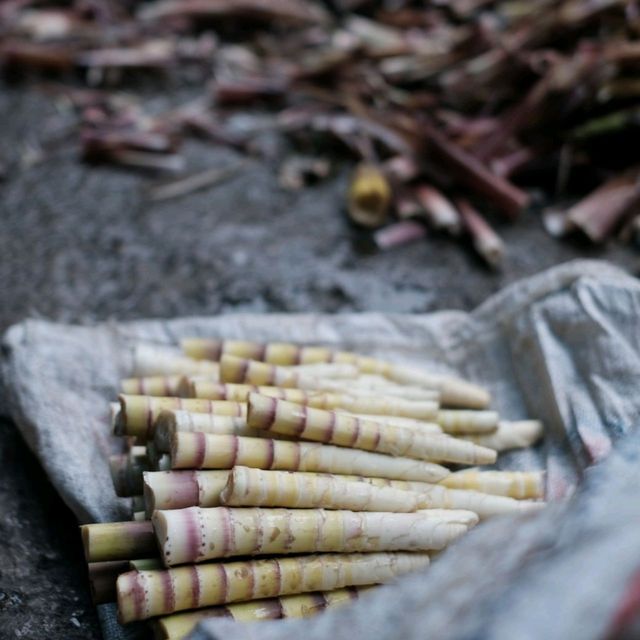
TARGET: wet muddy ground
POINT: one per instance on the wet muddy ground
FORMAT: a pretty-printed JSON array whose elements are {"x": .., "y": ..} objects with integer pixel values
[{"x": 81, "y": 243}]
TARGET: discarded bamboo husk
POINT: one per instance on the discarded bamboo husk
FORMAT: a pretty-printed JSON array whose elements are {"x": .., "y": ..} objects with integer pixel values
[
  {"x": 170, "y": 422},
  {"x": 399, "y": 233},
  {"x": 203, "y": 451},
  {"x": 467, "y": 422},
  {"x": 143, "y": 594},
  {"x": 138, "y": 413},
  {"x": 180, "y": 489},
  {"x": 485, "y": 240},
  {"x": 151, "y": 360},
  {"x": 439, "y": 211},
  {"x": 304, "y": 422},
  {"x": 118, "y": 541},
  {"x": 516, "y": 484},
  {"x": 369, "y": 196},
  {"x": 509, "y": 435},
  {"x": 381, "y": 405},
  {"x": 152, "y": 385},
  {"x": 102, "y": 579},
  {"x": 258, "y": 488},
  {"x": 196, "y": 535},
  {"x": 179, "y": 625}
]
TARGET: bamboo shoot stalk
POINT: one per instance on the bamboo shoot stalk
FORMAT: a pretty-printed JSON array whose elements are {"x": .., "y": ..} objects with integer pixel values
[
  {"x": 243, "y": 371},
  {"x": 362, "y": 386},
  {"x": 153, "y": 385},
  {"x": 180, "y": 489},
  {"x": 137, "y": 503},
  {"x": 509, "y": 435},
  {"x": 455, "y": 392},
  {"x": 195, "y": 535},
  {"x": 258, "y": 488},
  {"x": 118, "y": 541},
  {"x": 465, "y": 422},
  {"x": 139, "y": 516},
  {"x": 343, "y": 430},
  {"x": 203, "y": 451},
  {"x": 399, "y": 421},
  {"x": 151, "y": 360},
  {"x": 516, "y": 484},
  {"x": 179, "y": 625},
  {"x": 138, "y": 413},
  {"x": 144, "y": 594}
]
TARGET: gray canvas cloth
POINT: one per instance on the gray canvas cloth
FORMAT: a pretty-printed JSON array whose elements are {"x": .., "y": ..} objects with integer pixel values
[{"x": 563, "y": 346}]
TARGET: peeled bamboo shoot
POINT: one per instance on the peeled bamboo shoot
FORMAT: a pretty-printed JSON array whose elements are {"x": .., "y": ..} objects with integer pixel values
[
  {"x": 300, "y": 421},
  {"x": 463, "y": 422},
  {"x": 196, "y": 535},
  {"x": 257, "y": 488},
  {"x": 516, "y": 484},
  {"x": 153, "y": 385},
  {"x": 138, "y": 413},
  {"x": 202, "y": 451},
  {"x": 143, "y": 594},
  {"x": 179, "y": 625},
  {"x": 152, "y": 360},
  {"x": 118, "y": 541},
  {"x": 509, "y": 435}
]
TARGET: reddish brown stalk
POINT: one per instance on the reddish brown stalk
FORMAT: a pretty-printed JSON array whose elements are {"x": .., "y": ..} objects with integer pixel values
[
  {"x": 603, "y": 211},
  {"x": 485, "y": 240},
  {"x": 471, "y": 172},
  {"x": 39, "y": 56},
  {"x": 248, "y": 90},
  {"x": 510, "y": 163}
]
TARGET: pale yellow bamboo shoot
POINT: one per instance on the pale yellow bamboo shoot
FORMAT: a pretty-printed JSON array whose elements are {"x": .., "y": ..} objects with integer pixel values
[
  {"x": 204, "y": 451},
  {"x": 516, "y": 484},
  {"x": 509, "y": 435},
  {"x": 197, "y": 535},
  {"x": 144, "y": 594},
  {"x": 343, "y": 430}
]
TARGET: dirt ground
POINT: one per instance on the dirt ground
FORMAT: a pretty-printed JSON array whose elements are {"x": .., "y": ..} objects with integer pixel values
[{"x": 80, "y": 244}]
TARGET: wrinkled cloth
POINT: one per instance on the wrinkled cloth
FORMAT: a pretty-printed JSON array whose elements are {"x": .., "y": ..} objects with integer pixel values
[{"x": 562, "y": 346}]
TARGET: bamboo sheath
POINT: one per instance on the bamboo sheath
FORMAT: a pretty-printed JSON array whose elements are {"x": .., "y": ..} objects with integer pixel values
[
  {"x": 516, "y": 484},
  {"x": 151, "y": 360},
  {"x": 196, "y": 535},
  {"x": 509, "y": 435},
  {"x": 181, "y": 489},
  {"x": 304, "y": 422},
  {"x": 118, "y": 541},
  {"x": 366, "y": 404},
  {"x": 257, "y": 488},
  {"x": 179, "y": 625},
  {"x": 455, "y": 392},
  {"x": 153, "y": 385},
  {"x": 203, "y": 451},
  {"x": 144, "y": 594},
  {"x": 138, "y": 413}
]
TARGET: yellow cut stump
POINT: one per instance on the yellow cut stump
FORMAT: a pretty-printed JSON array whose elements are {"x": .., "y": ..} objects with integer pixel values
[{"x": 118, "y": 541}]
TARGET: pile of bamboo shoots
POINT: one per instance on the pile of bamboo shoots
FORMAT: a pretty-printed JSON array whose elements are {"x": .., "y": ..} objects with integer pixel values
[{"x": 276, "y": 480}]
